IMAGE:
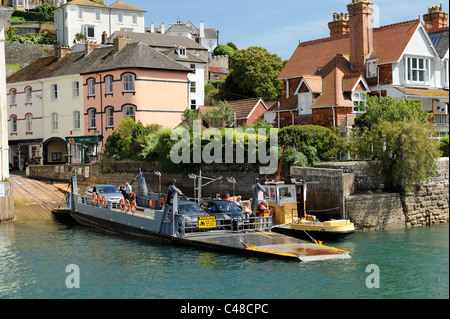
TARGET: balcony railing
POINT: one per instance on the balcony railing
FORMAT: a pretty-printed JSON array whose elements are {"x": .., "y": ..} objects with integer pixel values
[{"x": 440, "y": 119}]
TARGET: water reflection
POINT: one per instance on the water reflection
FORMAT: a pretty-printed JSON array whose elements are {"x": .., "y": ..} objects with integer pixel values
[{"x": 33, "y": 257}]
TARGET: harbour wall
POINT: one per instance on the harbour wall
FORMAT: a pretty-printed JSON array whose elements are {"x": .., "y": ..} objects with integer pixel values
[
  {"x": 372, "y": 209},
  {"x": 345, "y": 189}
]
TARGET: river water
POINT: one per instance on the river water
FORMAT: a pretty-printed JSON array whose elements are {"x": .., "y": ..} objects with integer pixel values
[{"x": 34, "y": 260}]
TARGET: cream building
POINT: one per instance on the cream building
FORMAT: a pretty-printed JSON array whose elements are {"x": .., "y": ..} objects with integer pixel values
[{"x": 95, "y": 20}]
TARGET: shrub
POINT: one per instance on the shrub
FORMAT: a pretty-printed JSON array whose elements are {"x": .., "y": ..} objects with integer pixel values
[
  {"x": 444, "y": 146},
  {"x": 323, "y": 139}
]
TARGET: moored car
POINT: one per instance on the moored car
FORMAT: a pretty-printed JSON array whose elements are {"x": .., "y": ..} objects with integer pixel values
[
  {"x": 226, "y": 212},
  {"x": 191, "y": 212},
  {"x": 111, "y": 192}
]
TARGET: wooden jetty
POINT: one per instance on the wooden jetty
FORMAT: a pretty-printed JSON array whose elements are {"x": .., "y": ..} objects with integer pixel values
[{"x": 34, "y": 200}]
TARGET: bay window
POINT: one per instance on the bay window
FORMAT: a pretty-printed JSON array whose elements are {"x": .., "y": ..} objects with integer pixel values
[{"x": 417, "y": 70}]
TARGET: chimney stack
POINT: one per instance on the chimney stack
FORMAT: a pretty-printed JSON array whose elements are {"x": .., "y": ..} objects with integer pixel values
[
  {"x": 339, "y": 27},
  {"x": 152, "y": 28},
  {"x": 89, "y": 47},
  {"x": 120, "y": 42},
  {"x": 202, "y": 29},
  {"x": 361, "y": 33},
  {"x": 62, "y": 51},
  {"x": 435, "y": 19},
  {"x": 163, "y": 28}
]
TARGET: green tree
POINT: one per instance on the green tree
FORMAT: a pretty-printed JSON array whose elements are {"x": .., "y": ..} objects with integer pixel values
[
  {"x": 253, "y": 73},
  {"x": 398, "y": 137},
  {"x": 223, "y": 49},
  {"x": 220, "y": 116},
  {"x": 444, "y": 146}
]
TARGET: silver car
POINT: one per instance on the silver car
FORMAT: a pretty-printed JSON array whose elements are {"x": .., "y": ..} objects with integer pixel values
[
  {"x": 111, "y": 192},
  {"x": 191, "y": 212}
]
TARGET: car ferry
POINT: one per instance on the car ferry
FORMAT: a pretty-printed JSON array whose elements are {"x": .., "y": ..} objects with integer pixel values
[{"x": 158, "y": 217}]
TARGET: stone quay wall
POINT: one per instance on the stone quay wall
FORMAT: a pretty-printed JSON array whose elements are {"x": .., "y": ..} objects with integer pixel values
[
  {"x": 345, "y": 190},
  {"x": 371, "y": 209}
]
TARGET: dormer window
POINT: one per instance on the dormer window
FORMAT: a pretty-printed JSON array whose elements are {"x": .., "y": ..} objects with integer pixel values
[
  {"x": 359, "y": 99},
  {"x": 181, "y": 52}
]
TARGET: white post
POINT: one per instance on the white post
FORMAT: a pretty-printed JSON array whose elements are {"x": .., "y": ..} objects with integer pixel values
[{"x": 5, "y": 13}]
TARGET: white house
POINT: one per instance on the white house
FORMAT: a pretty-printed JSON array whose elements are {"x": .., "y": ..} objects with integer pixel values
[
  {"x": 95, "y": 21},
  {"x": 207, "y": 37},
  {"x": 196, "y": 78}
]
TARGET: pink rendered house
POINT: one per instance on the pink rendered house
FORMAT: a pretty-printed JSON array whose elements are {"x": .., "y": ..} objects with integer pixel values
[{"x": 132, "y": 80}]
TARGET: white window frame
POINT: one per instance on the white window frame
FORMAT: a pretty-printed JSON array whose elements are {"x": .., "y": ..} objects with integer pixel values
[
  {"x": 76, "y": 89},
  {"x": 54, "y": 89},
  {"x": 371, "y": 68},
  {"x": 305, "y": 100},
  {"x": 28, "y": 95},
  {"x": 192, "y": 67},
  {"x": 80, "y": 13},
  {"x": 358, "y": 98},
  {"x": 129, "y": 111},
  {"x": 29, "y": 122},
  {"x": 193, "y": 87},
  {"x": 13, "y": 97},
  {"x": 193, "y": 104},
  {"x": 416, "y": 66},
  {"x": 135, "y": 19},
  {"x": 98, "y": 15},
  {"x": 109, "y": 84},
  {"x": 86, "y": 28},
  {"x": 91, "y": 87},
  {"x": 76, "y": 120},
  {"x": 129, "y": 80},
  {"x": 55, "y": 121},
  {"x": 110, "y": 117},
  {"x": 120, "y": 17},
  {"x": 14, "y": 124},
  {"x": 92, "y": 121}
]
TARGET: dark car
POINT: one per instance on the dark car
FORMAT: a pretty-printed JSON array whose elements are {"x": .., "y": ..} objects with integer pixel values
[
  {"x": 191, "y": 212},
  {"x": 227, "y": 213}
]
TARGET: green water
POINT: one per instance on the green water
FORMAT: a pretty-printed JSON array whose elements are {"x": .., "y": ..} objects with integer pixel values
[{"x": 412, "y": 263}]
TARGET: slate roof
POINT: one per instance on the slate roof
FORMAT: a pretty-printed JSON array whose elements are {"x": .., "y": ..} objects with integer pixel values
[
  {"x": 188, "y": 58},
  {"x": 440, "y": 41},
  {"x": 132, "y": 56},
  {"x": 158, "y": 40}
]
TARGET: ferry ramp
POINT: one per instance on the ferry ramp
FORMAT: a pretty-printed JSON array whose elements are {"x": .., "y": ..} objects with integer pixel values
[{"x": 33, "y": 199}]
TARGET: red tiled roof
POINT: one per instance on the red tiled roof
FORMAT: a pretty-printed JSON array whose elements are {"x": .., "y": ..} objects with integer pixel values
[
  {"x": 333, "y": 74},
  {"x": 389, "y": 43}
]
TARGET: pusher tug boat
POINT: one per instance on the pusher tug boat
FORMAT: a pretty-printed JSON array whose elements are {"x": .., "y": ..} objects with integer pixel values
[
  {"x": 160, "y": 220},
  {"x": 287, "y": 205}
]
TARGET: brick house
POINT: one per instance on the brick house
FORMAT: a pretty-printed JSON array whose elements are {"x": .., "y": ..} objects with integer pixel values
[{"x": 326, "y": 80}]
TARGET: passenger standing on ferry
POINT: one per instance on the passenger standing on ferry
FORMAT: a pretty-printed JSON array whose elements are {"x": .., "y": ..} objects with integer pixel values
[
  {"x": 123, "y": 191},
  {"x": 128, "y": 191},
  {"x": 238, "y": 201},
  {"x": 227, "y": 197}
]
